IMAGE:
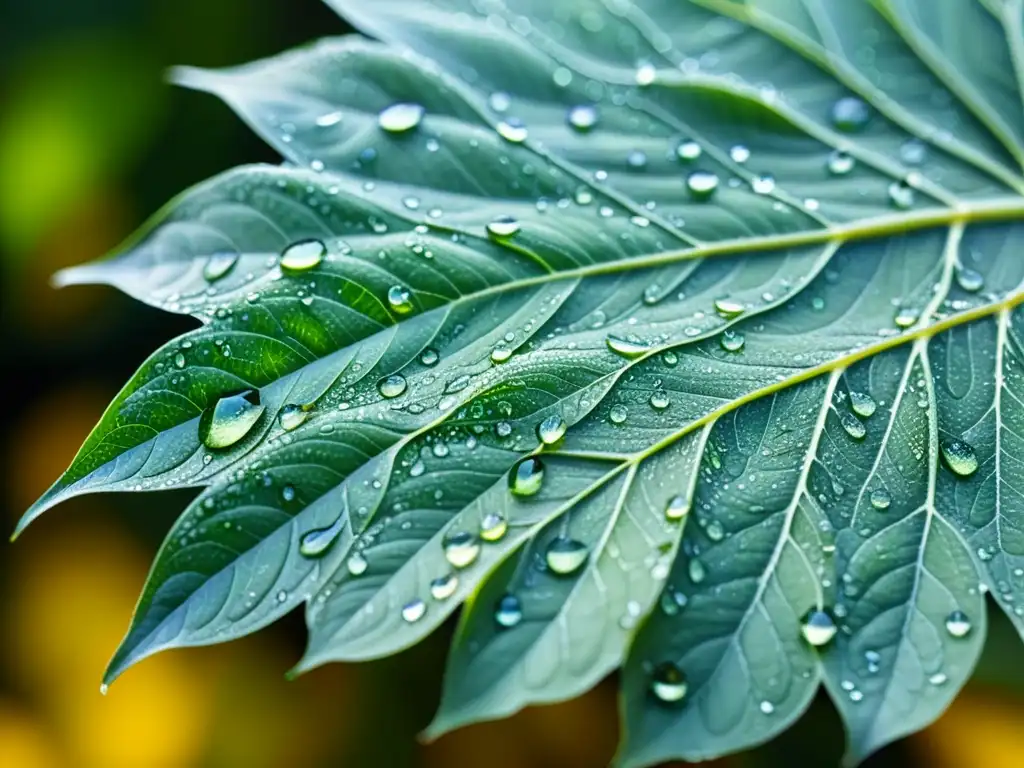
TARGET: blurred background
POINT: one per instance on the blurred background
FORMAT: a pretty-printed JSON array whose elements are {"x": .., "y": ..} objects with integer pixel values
[{"x": 92, "y": 141}]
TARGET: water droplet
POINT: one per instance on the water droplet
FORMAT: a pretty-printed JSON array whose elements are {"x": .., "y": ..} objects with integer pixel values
[
  {"x": 392, "y": 386},
  {"x": 444, "y": 587},
  {"x": 219, "y": 264},
  {"x": 850, "y": 114},
  {"x": 551, "y": 430},
  {"x": 660, "y": 400},
  {"x": 565, "y": 556},
  {"x": 316, "y": 542},
  {"x": 292, "y": 416},
  {"x": 913, "y": 152},
  {"x": 957, "y": 624},
  {"x": 668, "y": 683},
  {"x": 618, "y": 413},
  {"x": 401, "y": 117},
  {"x": 357, "y": 564},
  {"x": 854, "y": 427},
  {"x": 646, "y": 74},
  {"x": 328, "y": 119},
  {"x": 626, "y": 348},
  {"x": 702, "y": 184},
  {"x": 731, "y": 341},
  {"x": 429, "y": 357},
  {"x": 526, "y": 476},
  {"x": 880, "y": 498},
  {"x": 414, "y": 610},
  {"x": 104, "y": 688},
  {"x": 688, "y": 150},
  {"x": 502, "y": 227},
  {"x": 840, "y": 163},
  {"x": 493, "y": 527},
  {"x": 906, "y": 317},
  {"x": 501, "y": 353},
  {"x": 513, "y": 130},
  {"x": 179, "y": 360},
  {"x": 901, "y": 195},
  {"x": 400, "y": 300},
  {"x": 499, "y": 101},
  {"x": 303, "y": 255},
  {"x": 582, "y": 117},
  {"x": 763, "y": 184},
  {"x": 696, "y": 571},
  {"x": 817, "y": 627},
  {"x": 461, "y": 549},
  {"x": 636, "y": 160},
  {"x": 969, "y": 279},
  {"x": 739, "y": 153},
  {"x": 728, "y": 308},
  {"x": 862, "y": 404},
  {"x": 508, "y": 612},
  {"x": 230, "y": 419},
  {"x": 767, "y": 707},
  {"x": 714, "y": 530},
  {"x": 677, "y": 508},
  {"x": 959, "y": 456}
]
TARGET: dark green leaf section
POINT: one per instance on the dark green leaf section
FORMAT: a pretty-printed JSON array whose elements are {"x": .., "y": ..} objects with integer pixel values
[{"x": 745, "y": 294}]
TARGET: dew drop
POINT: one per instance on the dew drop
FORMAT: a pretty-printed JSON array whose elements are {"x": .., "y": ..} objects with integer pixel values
[
  {"x": 230, "y": 419},
  {"x": 677, "y": 508},
  {"x": 645, "y": 74},
  {"x": 763, "y": 184},
  {"x": 702, "y": 184},
  {"x": 818, "y": 628},
  {"x": 565, "y": 556},
  {"x": 901, "y": 195},
  {"x": 913, "y": 152},
  {"x": 862, "y": 404},
  {"x": 582, "y": 117},
  {"x": 850, "y": 114},
  {"x": 551, "y": 430},
  {"x": 854, "y": 427},
  {"x": 219, "y": 264},
  {"x": 400, "y": 300},
  {"x": 400, "y": 117},
  {"x": 444, "y": 587},
  {"x": 957, "y": 624},
  {"x": 636, "y": 160},
  {"x": 502, "y": 227},
  {"x": 840, "y": 163},
  {"x": 303, "y": 255},
  {"x": 696, "y": 571},
  {"x": 880, "y": 498},
  {"x": 292, "y": 416},
  {"x": 508, "y": 612},
  {"x": 618, "y": 413},
  {"x": 688, "y": 150},
  {"x": 731, "y": 341},
  {"x": 501, "y": 353},
  {"x": 414, "y": 610},
  {"x": 626, "y": 348},
  {"x": 328, "y": 119},
  {"x": 739, "y": 153},
  {"x": 429, "y": 357},
  {"x": 493, "y": 527},
  {"x": 357, "y": 564},
  {"x": 959, "y": 456},
  {"x": 461, "y": 549},
  {"x": 969, "y": 279},
  {"x": 179, "y": 360},
  {"x": 526, "y": 476},
  {"x": 316, "y": 542},
  {"x": 906, "y": 317},
  {"x": 499, "y": 101},
  {"x": 668, "y": 683},
  {"x": 392, "y": 386},
  {"x": 728, "y": 308},
  {"x": 513, "y": 130},
  {"x": 660, "y": 400}
]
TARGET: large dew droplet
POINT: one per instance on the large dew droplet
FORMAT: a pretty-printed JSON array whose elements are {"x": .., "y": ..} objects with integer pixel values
[
  {"x": 818, "y": 628},
  {"x": 414, "y": 610},
  {"x": 551, "y": 430},
  {"x": 582, "y": 117},
  {"x": 729, "y": 308},
  {"x": 565, "y": 556},
  {"x": 862, "y": 404},
  {"x": 357, "y": 564},
  {"x": 219, "y": 264},
  {"x": 400, "y": 117},
  {"x": 901, "y": 195},
  {"x": 502, "y": 227},
  {"x": 400, "y": 300},
  {"x": 293, "y": 416},
  {"x": 618, "y": 414},
  {"x": 493, "y": 527},
  {"x": 969, "y": 279},
  {"x": 444, "y": 587},
  {"x": 303, "y": 255},
  {"x": 668, "y": 683},
  {"x": 840, "y": 163},
  {"x": 677, "y": 508},
  {"x": 461, "y": 549},
  {"x": 688, "y": 150},
  {"x": 526, "y": 476},
  {"x": 627, "y": 348},
  {"x": 732, "y": 341},
  {"x": 702, "y": 184},
  {"x": 854, "y": 427},
  {"x": 850, "y": 114},
  {"x": 392, "y": 386},
  {"x": 513, "y": 130},
  {"x": 230, "y": 419},
  {"x": 508, "y": 612},
  {"x": 957, "y": 624},
  {"x": 880, "y": 498},
  {"x": 959, "y": 456},
  {"x": 316, "y": 542}
]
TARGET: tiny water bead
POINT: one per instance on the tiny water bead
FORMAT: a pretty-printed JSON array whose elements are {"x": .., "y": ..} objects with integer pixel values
[
  {"x": 230, "y": 419},
  {"x": 817, "y": 627},
  {"x": 400, "y": 117},
  {"x": 901, "y": 195},
  {"x": 668, "y": 683},
  {"x": 702, "y": 184},
  {"x": 508, "y": 612},
  {"x": 850, "y": 114},
  {"x": 293, "y": 416},
  {"x": 502, "y": 227},
  {"x": 582, "y": 117},
  {"x": 526, "y": 477},
  {"x": 862, "y": 404},
  {"x": 626, "y": 348},
  {"x": 957, "y": 624},
  {"x": 840, "y": 163},
  {"x": 461, "y": 549},
  {"x": 513, "y": 130},
  {"x": 414, "y": 610},
  {"x": 219, "y": 264},
  {"x": 400, "y": 300},
  {"x": 392, "y": 386},
  {"x": 444, "y": 587},
  {"x": 677, "y": 508},
  {"x": 565, "y": 556},
  {"x": 303, "y": 255},
  {"x": 688, "y": 150},
  {"x": 959, "y": 456},
  {"x": 731, "y": 341},
  {"x": 618, "y": 414},
  {"x": 739, "y": 153},
  {"x": 881, "y": 498},
  {"x": 763, "y": 184},
  {"x": 696, "y": 571},
  {"x": 969, "y": 279},
  {"x": 357, "y": 564},
  {"x": 906, "y": 317},
  {"x": 636, "y": 160},
  {"x": 493, "y": 527},
  {"x": 728, "y": 308},
  {"x": 316, "y": 542},
  {"x": 552, "y": 429}
]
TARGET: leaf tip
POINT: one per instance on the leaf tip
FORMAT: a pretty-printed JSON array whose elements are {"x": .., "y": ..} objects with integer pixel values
[{"x": 195, "y": 78}]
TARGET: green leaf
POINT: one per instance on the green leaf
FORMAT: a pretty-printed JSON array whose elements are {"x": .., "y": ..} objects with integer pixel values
[{"x": 640, "y": 330}]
